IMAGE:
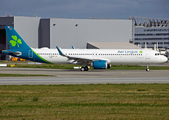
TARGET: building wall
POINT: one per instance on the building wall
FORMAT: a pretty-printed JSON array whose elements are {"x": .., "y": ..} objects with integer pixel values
[
  {"x": 65, "y": 33},
  {"x": 44, "y": 33},
  {"x": 28, "y": 29},
  {"x": 77, "y": 32},
  {"x": 152, "y": 35}
]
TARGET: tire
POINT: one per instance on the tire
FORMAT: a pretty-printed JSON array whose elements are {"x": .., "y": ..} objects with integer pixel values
[
  {"x": 82, "y": 69},
  {"x": 86, "y": 68}
]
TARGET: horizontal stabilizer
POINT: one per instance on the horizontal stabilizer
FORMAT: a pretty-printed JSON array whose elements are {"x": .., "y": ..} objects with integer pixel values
[{"x": 11, "y": 52}]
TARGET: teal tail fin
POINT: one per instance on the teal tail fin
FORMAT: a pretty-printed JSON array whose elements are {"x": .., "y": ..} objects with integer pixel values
[
  {"x": 19, "y": 48},
  {"x": 14, "y": 39}
]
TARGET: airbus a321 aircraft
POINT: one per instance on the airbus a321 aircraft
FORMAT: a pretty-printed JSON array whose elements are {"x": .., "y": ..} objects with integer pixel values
[{"x": 97, "y": 58}]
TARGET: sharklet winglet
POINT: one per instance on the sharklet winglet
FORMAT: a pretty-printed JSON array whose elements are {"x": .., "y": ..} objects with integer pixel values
[{"x": 60, "y": 52}]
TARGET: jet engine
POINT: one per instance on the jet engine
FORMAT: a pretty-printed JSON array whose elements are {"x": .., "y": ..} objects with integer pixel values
[{"x": 101, "y": 64}]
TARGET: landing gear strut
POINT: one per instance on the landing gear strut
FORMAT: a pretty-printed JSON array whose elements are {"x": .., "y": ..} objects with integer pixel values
[
  {"x": 84, "y": 68},
  {"x": 147, "y": 69}
]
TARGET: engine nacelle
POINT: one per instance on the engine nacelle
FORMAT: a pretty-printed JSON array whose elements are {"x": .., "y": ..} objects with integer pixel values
[{"x": 100, "y": 64}]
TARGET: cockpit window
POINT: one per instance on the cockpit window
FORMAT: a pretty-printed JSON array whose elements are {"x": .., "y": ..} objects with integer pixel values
[{"x": 157, "y": 53}]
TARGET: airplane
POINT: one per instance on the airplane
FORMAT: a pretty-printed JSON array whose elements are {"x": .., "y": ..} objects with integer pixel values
[{"x": 97, "y": 58}]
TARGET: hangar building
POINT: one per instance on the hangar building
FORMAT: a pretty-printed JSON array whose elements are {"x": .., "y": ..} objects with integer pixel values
[
  {"x": 151, "y": 32},
  {"x": 77, "y": 32},
  {"x": 51, "y": 32}
]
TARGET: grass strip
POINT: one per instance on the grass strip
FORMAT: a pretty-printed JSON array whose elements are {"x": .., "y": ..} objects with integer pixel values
[
  {"x": 49, "y": 66},
  {"x": 137, "y": 67},
  {"x": 71, "y": 66},
  {"x": 85, "y": 102},
  {"x": 20, "y": 75}
]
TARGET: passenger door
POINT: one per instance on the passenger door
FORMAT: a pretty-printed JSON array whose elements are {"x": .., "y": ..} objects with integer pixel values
[{"x": 147, "y": 55}]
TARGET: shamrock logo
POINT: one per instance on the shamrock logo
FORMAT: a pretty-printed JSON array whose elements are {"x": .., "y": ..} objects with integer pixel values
[
  {"x": 140, "y": 51},
  {"x": 15, "y": 41}
]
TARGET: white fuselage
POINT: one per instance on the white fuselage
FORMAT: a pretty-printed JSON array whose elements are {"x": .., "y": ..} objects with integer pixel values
[{"x": 113, "y": 56}]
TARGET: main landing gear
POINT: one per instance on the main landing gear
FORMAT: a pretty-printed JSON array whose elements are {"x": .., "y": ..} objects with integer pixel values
[
  {"x": 84, "y": 68},
  {"x": 147, "y": 69}
]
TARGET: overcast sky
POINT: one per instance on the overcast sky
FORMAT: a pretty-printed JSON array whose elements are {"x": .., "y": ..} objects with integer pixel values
[{"x": 82, "y": 9}]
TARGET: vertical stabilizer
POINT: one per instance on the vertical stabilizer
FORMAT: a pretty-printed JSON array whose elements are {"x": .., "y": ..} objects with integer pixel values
[{"x": 14, "y": 39}]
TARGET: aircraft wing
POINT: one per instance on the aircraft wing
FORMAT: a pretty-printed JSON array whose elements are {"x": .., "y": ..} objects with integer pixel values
[{"x": 80, "y": 60}]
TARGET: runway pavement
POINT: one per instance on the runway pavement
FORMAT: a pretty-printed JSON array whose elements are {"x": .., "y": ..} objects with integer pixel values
[{"x": 79, "y": 77}]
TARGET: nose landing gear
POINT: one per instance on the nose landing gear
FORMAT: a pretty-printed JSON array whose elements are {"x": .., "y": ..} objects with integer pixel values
[{"x": 147, "y": 69}]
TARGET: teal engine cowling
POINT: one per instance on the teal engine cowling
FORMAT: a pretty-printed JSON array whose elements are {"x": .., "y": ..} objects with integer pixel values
[{"x": 101, "y": 64}]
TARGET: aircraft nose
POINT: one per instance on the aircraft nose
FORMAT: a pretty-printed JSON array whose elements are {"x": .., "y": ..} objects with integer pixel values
[{"x": 165, "y": 59}]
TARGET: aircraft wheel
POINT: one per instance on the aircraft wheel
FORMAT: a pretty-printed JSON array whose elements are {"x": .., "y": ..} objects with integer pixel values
[
  {"x": 86, "y": 68},
  {"x": 82, "y": 69},
  {"x": 147, "y": 69}
]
